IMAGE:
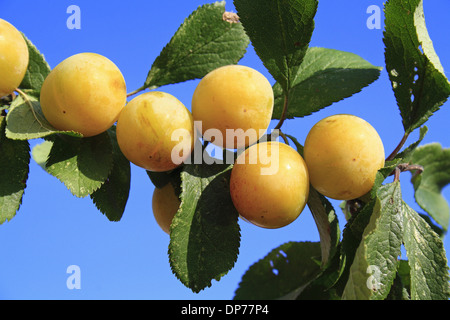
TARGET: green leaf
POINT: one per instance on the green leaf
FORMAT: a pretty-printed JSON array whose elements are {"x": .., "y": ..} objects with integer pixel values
[
  {"x": 414, "y": 69},
  {"x": 26, "y": 121},
  {"x": 204, "y": 42},
  {"x": 205, "y": 234},
  {"x": 323, "y": 287},
  {"x": 14, "y": 168},
  {"x": 438, "y": 229},
  {"x": 38, "y": 70},
  {"x": 327, "y": 224},
  {"x": 374, "y": 267},
  {"x": 298, "y": 145},
  {"x": 82, "y": 164},
  {"x": 429, "y": 277},
  {"x": 324, "y": 215},
  {"x": 160, "y": 179},
  {"x": 112, "y": 197},
  {"x": 429, "y": 184},
  {"x": 404, "y": 272},
  {"x": 5, "y": 102},
  {"x": 398, "y": 289},
  {"x": 382, "y": 174},
  {"x": 324, "y": 77},
  {"x": 352, "y": 236},
  {"x": 40, "y": 153},
  {"x": 280, "y": 32},
  {"x": 283, "y": 273}
]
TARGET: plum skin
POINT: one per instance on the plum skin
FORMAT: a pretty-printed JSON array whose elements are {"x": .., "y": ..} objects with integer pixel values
[
  {"x": 84, "y": 93},
  {"x": 165, "y": 204},
  {"x": 155, "y": 131},
  {"x": 343, "y": 153},
  {"x": 14, "y": 57},
  {"x": 274, "y": 198},
  {"x": 235, "y": 98}
]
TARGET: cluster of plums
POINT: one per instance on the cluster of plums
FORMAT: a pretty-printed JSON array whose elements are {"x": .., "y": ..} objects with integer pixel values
[{"x": 270, "y": 181}]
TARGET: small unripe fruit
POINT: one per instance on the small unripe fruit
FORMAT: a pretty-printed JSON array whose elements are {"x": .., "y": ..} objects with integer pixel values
[
  {"x": 343, "y": 154},
  {"x": 13, "y": 58},
  {"x": 165, "y": 204},
  {"x": 269, "y": 184},
  {"x": 155, "y": 131},
  {"x": 84, "y": 93},
  {"x": 234, "y": 98}
]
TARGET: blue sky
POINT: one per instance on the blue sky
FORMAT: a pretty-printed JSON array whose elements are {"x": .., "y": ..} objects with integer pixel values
[{"x": 128, "y": 259}]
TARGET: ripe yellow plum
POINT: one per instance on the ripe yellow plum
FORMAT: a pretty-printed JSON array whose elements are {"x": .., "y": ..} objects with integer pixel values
[
  {"x": 165, "y": 204},
  {"x": 343, "y": 154},
  {"x": 155, "y": 131},
  {"x": 13, "y": 58},
  {"x": 237, "y": 102},
  {"x": 269, "y": 184},
  {"x": 84, "y": 93}
]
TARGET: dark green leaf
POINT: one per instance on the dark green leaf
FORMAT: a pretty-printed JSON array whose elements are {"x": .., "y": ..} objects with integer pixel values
[
  {"x": 38, "y": 70},
  {"x": 82, "y": 164},
  {"x": 25, "y": 121},
  {"x": 404, "y": 272},
  {"x": 324, "y": 77},
  {"x": 14, "y": 168},
  {"x": 414, "y": 69},
  {"x": 205, "y": 234},
  {"x": 5, "y": 102},
  {"x": 398, "y": 289},
  {"x": 428, "y": 185},
  {"x": 429, "y": 277},
  {"x": 112, "y": 197},
  {"x": 323, "y": 286},
  {"x": 283, "y": 273},
  {"x": 280, "y": 31},
  {"x": 374, "y": 266},
  {"x": 204, "y": 42},
  {"x": 160, "y": 179}
]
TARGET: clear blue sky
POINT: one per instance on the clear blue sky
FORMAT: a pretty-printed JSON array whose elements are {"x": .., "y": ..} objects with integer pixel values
[{"x": 128, "y": 259}]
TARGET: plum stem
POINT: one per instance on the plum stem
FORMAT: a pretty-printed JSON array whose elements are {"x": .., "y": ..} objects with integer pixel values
[
  {"x": 286, "y": 141},
  {"x": 283, "y": 113},
  {"x": 398, "y": 148},
  {"x": 135, "y": 92},
  {"x": 406, "y": 167}
]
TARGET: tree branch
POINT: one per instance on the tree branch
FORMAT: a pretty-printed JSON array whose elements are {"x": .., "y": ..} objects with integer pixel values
[{"x": 398, "y": 148}]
